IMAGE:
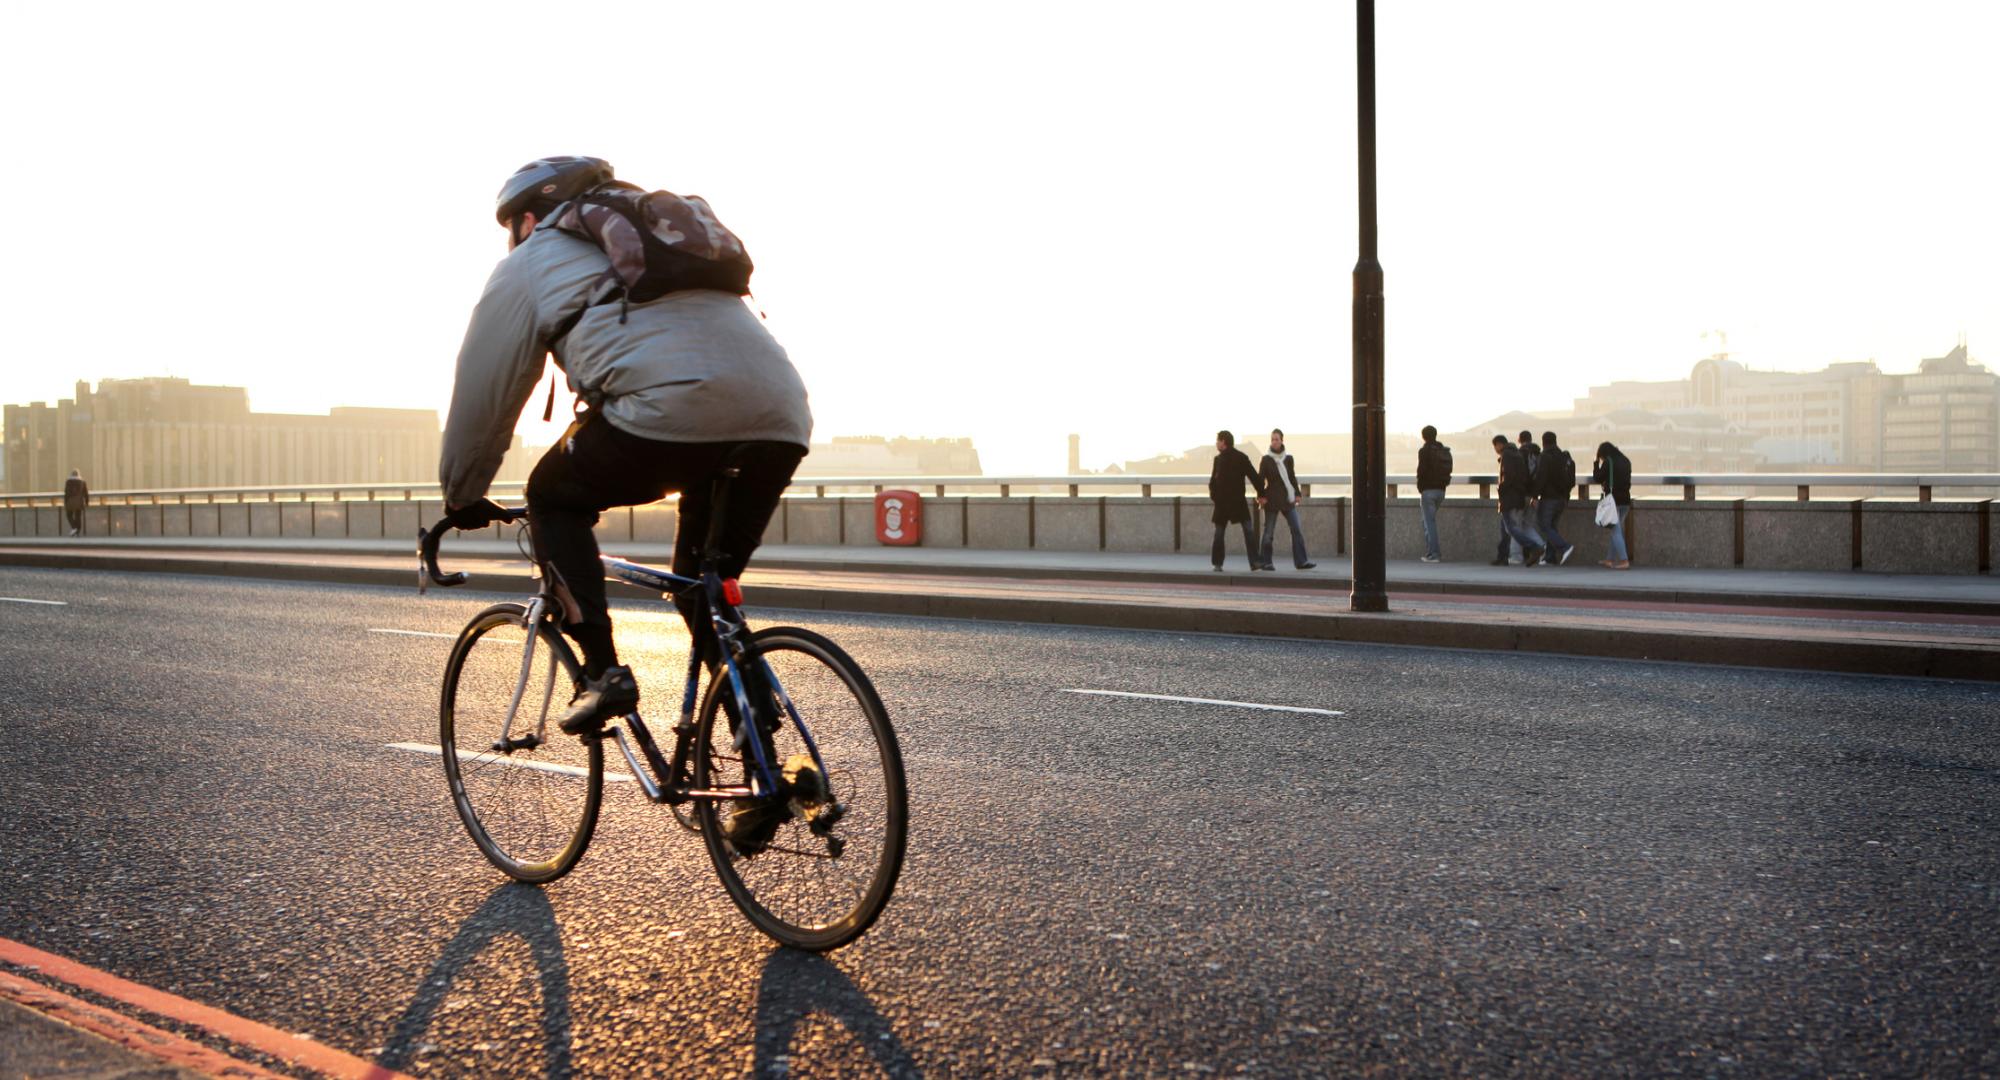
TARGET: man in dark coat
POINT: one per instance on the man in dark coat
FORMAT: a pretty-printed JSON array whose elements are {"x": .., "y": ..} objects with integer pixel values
[
  {"x": 76, "y": 496},
  {"x": 1225, "y": 488},
  {"x": 1555, "y": 479},
  {"x": 1433, "y": 476},
  {"x": 1514, "y": 505}
]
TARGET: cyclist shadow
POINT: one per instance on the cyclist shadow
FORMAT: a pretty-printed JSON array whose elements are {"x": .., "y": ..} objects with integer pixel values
[
  {"x": 514, "y": 909},
  {"x": 796, "y": 985}
]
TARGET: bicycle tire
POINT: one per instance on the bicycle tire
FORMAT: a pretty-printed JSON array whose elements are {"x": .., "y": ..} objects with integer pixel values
[
  {"x": 836, "y": 699},
  {"x": 550, "y": 773}
]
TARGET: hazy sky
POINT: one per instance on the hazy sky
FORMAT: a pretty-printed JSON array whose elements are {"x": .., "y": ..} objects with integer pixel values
[{"x": 1015, "y": 221}]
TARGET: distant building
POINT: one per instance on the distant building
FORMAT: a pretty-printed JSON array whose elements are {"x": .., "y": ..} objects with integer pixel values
[
  {"x": 1850, "y": 415},
  {"x": 167, "y": 433},
  {"x": 1945, "y": 417},
  {"x": 876, "y": 455}
]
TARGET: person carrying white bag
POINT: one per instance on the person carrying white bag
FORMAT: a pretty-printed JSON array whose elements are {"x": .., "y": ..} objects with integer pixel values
[{"x": 1612, "y": 471}]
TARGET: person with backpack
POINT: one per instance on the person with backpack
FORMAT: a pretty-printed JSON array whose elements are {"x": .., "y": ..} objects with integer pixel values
[
  {"x": 639, "y": 297},
  {"x": 1433, "y": 477},
  {"x": 1279, "y": 475},
  {"x": 1555, "y": 479},
  {"x": 1612, "y": 474}
]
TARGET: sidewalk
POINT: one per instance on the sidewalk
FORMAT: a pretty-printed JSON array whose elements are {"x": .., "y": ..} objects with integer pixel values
[
  {"x": 1859, "y": 591},
  {"x": 1855, "y": 622}
]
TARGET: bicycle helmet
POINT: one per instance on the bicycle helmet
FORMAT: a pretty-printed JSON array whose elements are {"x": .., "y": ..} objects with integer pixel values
[{"x": 545, "y": 182}]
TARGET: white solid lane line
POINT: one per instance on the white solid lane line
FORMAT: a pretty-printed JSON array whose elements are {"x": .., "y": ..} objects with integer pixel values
[
  {"x": 409, "y": 633},
  {"x": 25, "y": 600},
  {"x": 539, "y": 766},
  {"x": 1209, "y": 701}
]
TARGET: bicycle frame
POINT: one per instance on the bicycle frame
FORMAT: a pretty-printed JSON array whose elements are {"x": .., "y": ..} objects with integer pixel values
[{"x": 660, "y": 779}]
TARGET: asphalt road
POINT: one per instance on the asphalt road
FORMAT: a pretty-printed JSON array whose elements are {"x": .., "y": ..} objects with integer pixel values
[{"x": 1488, "y": 864}]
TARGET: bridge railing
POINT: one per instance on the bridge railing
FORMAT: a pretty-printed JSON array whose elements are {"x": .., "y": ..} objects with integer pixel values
[{"x": 1688, "y": 485}]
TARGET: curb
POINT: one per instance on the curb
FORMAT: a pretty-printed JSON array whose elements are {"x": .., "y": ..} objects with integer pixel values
[
  {"x": 1914, "y": 659},
  {"x": 1541, "y": 587}
]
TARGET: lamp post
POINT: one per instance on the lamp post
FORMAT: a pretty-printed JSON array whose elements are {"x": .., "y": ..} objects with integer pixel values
[{"x": 1368, "y": 591}]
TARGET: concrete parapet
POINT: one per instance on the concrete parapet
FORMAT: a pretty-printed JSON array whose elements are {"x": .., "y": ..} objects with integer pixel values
[
  {"x": 1063, "y": 524},
  {"x": 814, "y": 522},
  {"x": 1136, "y": 524},
  {"x": 1903, "y": 536},
  {"x": 329, "y": 519},
  {"x": 400, "y": 519},
  {"x": 1324, "y": 519},
  {"x": 655, "y": 523},
  {"x": 1699, "y": 533},
  {"x": 944, "y": 521},
  {"x": 858, "y": 514},
  {"x": 1883, "y": 535},
  {"x": 1784, "y": 534},
  {"x": 614, "y": 526},
  {"x": 1195, "y": 529},
  {"x": 364, "y": 520},
  {"x": 264, "y": 520},
  {"x": 997, "y": 524}
]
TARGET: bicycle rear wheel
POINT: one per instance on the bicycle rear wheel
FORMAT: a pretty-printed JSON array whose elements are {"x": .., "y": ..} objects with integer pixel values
[
  {"x": 531, "y": 809},
  {"x": 811, "y": 885}
]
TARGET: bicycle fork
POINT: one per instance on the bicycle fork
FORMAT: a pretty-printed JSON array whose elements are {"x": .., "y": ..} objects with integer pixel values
[{"x": 507, "y": 743}]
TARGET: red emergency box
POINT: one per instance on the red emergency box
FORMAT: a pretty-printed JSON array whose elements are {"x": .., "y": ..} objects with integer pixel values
[{"x": 899, "y": 518}]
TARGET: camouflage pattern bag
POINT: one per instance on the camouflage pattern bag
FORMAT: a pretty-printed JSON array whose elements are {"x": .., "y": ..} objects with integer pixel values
[{"x": 658, "y": 242}]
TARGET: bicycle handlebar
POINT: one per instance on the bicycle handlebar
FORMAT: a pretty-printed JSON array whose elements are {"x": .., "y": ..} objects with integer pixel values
[{"x": 427, "y": 550}]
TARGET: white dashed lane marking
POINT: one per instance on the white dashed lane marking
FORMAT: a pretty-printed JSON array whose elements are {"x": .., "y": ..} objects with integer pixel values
[
  {"x": 409, "y": 633},
  {"x": 25, "y": 600},
  {"x": 1209, "y": 701},
  {"x": 489, "y": 759}
]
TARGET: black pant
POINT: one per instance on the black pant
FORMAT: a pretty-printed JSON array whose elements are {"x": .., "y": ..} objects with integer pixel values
[
  {"x": 596, "y": 466},
  {"x": 75, "y": 518},
  {"x": 1250, "y": 545}
]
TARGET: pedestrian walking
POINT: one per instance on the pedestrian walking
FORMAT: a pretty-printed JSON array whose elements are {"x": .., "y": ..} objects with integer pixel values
[
  {"x": 1612, "y": 473},
  {"x": 76, "y": 496},
  {"x": 1533, "y": 455},
  {"x": 1433, "y": 476},
  {"x": 1279, "y": 476},
  {"x": 1226, "y": 478},
  {"x": 1554, "y": 481},
  {"x": 1514, "y": 524}
]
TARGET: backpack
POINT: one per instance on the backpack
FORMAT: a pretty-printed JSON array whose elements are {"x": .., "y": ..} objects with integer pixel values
[
  {"x": 1445, "y": 451},
  {"x": 1567, "y": 475},
  {"x": 658, "y": 242}
]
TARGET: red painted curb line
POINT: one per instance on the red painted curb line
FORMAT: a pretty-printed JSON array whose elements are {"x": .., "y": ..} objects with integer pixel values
[
  {"x": 282, "y": 1045},
  {"x": 133, "y": 1035}
]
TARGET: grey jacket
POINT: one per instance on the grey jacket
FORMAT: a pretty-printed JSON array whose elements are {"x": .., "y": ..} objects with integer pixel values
[{"x": 693, "y": 366}]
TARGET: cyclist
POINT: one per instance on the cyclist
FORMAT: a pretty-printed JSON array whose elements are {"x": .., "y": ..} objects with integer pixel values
[{"x": 678, "y": 386}]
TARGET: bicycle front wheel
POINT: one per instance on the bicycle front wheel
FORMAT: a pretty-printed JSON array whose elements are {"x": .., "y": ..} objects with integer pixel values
[
  {"x": 827, "y": 856},
  {"x": 527, "y": 793}
]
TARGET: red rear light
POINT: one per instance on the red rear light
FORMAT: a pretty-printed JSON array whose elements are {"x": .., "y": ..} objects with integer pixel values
[{"x": 732, "y": 590}]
